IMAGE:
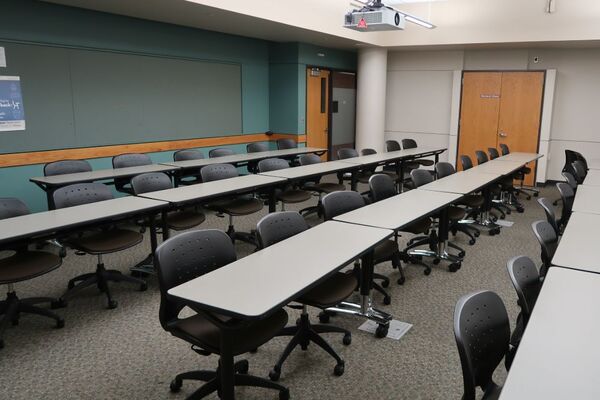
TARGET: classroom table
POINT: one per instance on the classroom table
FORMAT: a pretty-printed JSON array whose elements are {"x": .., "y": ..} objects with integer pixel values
[
  {"x": 50, "y": 183},
  {"x": 592, "y": 178},
  {"x": 498, "y": 167},
  {"x": 265, "y": 281},
  {"x": 311, "y": 170},
  {"x": 557, "y": 358},
  {"x": 577, "y": 246},
  {"x": 463, "y": 182},
  {"x": 587, "y": 199},
  {"x": 523, "y": 158}
]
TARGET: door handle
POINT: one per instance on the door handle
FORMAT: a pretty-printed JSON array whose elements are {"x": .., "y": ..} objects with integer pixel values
[{"x": 502, "y": 134}]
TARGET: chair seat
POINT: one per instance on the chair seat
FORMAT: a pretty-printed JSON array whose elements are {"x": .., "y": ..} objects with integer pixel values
[
  {"x": 104, "y": 242},
  {"x": 424, "y": 162},
  {"x": 199, "y": 330},
  {"x": 294, "y": 196},
  {"x": 455, "y": 213},
  {"x": 472, "y": 201},
  {"x": 392, "y": 175},
  {"x": 239, "y": 206},
  {"x": 329, "y": 293},
  {"x": 27, "y": 265},
  {"x": 385, "y": 250},
  {"x": 420, "y": 226},
  {"x": 326, "y": 187},
  {"x": 364, "y": 176},
  {"x": 184, "y": 219}
]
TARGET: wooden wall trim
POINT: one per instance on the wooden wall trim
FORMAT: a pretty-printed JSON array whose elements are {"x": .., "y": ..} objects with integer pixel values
[{"x": 46, "y": 156}]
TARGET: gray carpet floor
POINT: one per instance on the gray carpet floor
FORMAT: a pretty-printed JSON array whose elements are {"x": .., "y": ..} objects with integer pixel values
[{"x": 124, "y": 353}]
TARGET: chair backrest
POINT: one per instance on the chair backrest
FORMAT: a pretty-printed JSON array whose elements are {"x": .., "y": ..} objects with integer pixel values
[
  {"x": 346, "y": 152},
  {"x": 278, "y": 226},
  {"x": 185, "y": 257},
  {"x": 381, "y": 187},
  {"x": 466, "y": 162},
  {"x": 283, "y": 144},
  {"x": 215, "y": 172},
  {"x": 392, "y": 145},
  {"x": 571, "y": 156},
  {"x": 420, "y": 177},
  {"x": 272, "y": 164},
  {"x": 307, "y": 159},
  {"x": 567, "y": 195},
  {"x": 66, "y": 167},
  {"x": 220, "y": 152},
  {"x": 131, "y": 160},
  {"x": 338, "y": 203},
  {"x": 256, "y": 147},
  {"x": 551, "y": 216},
  {"x": 481, "y": 157},
  {"x": 187, "y": 154},
  {"x": 570, "y": 179},
  {"x": 443, "y": 169},
  {"x": 546, "y": 236},
  {"x": 81, "y": 193},
  {"x": 579, "y": 170},
  {"x": 482, "y": 333},
  {"x": 409, "y": 144},
  {"x": 581, "y": 159},
  {"x": 493, "y": 152},
  {"x": 367, "y": 152},
  {"x": 12, "y": 207},
  {"x": 150, "y": 182},
  {"x": 526, "y": 280},
  {"x": 504, "y": 149}
]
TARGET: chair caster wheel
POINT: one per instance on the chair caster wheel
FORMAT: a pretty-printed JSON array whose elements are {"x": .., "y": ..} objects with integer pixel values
[
  {"x": 60, "y": 324},
  {"x": 347, "y": 339},
  {"x": 243, "y": 367},
  {"x": 536, "y": 194},
  {"x": 472, "y": 242},
  {"x": 462, "y": 254},
  {"x": 436, "y": 261},
  {"x": 112, "y": 304},
  {"x": 339, "y": 369},
  {"x": 528, "y": 198},
  {"x": 70, "y": 285},
  {"x": 1, "y": 344},
  {"x": 59, "y": 303},
  {"x": 492, "y": 232},
  {"x": 323, "y": 318},
  {"x": 62, "y": 253},
  {"x": 477, "y": 234},
  {"x": 381, "y": 331},
  {"x": 385, "y": 284},
  {"x": 453, "y": 267},
  {"x": 401, "y": 280},
  {"x": 143, "y": 287},
  {"x": 520, "y": 210},
  {"x": 427, "y": 271},
  {"x": 175, "y": 385},
  {"x": 387, "y": 300},
  {"x": 284, "y": 395},
  {"x": 508, "y": 212},
  {"x": 275, "y": 374}
]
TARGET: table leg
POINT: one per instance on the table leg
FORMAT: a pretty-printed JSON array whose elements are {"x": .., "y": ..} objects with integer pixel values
[
  {"x": 226, "y": 367},
  {"x": 165, "y": 228},
  {"x": 272, "y": 200},
  {"x": 146, "y": 266},
  {"x": 354, "y": 180},
  {"x": 484, "y": 219}
]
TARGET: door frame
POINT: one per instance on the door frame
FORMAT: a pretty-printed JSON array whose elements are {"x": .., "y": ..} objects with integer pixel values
[
  {"x": 329, "y": 103},
  {"x": 539, "y": 133}
]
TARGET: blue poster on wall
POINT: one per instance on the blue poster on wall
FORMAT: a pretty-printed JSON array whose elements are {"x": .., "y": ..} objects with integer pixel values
[{"x": 12, "y": 113}]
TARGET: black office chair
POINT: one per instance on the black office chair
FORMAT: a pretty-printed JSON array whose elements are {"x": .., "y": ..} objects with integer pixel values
[
  {"x": 493, "y": 153},
  {"x": 507, "y": 190},
  {"x": 181, "y": 259},
  {"x": 520, "y": 176},
  {"x": 279, "y": 226},
  {"x": 551, "y": 216},
  {"x": 466, "y": 162},
  {"x": 481, "y": 157},
  {"x": 567, "y": 197},
  {"x": 497, "y": 205},
  {"x": 315, "y": 185},
  {"x": 125, "y": 161},
  {"x": 66, "y": 167},
  {"x": 412, "y": 144},
  {"x": 257, "y": 147},
  {"x": 96, "y": 242},
  {"x": 579, "y": 171},
  {"x": 392, "y": 145},
  {"x": 388, "y": 170},
  {"x": 234, "y": 206},
  {"x": 548, "y": 239},
  {"x": 571, "y": 181},
  {"x": 526, "y": 280},
  {"x": 362, "y": 175},
  {"x": 23, "y": 265},
  {"x": 382, "y": 187},
  {"x": 571, "y": 156},
  {"x": 220, "y": 152},
  {"x": 188, "y": 177},
  {"x": 288, "y": 195},
  {"x": 284, "y": 144},
  {"x": 482, "y": 333}
]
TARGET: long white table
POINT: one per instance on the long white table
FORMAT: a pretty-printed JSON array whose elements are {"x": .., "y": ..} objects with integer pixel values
[
  {"x": 587, "y": 199},
  {"x": 592, "y": 178},
  {"x": 523, "y": 158},
  {"x": 463, "y": 182},
  {"x": 393, "y": 156},
  {"x": 311, "y": 170},
  {"x": 577, "y": 247},
  {"x": 559, "y": 353},
  {"x": 498, "y": 167}
]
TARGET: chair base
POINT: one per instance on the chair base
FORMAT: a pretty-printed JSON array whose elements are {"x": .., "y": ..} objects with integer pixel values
[
  {"x": 303, "y": 334},
  {"x": 247, "y": 237},
  {"x": 100, "y": 278},
  {"x": 213, "y": 381},
  {"x": 12, "y": 307}
]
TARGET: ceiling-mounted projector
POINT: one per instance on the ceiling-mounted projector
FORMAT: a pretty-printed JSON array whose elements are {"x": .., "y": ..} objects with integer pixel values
[{"x": 375, "y": 16}]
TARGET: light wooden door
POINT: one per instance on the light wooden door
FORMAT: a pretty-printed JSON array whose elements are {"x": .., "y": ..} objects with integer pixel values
[
  {"x": 317, "y": 109},
  {"x": 479, "y": 113}
]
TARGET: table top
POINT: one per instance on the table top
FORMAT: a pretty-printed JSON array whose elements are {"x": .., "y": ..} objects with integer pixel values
[
  {"x": 245, "y": 157},
  {"x": 268, "y": 279},
  {"x": 101, "y": 174},
  {"x": 498, "y": 167},
  {"x": 398, "y": 211},
  {"x": 463, "y": 182},
  {"x": 587, "y": 199},
  {"x": 520, "y": 157},
  {"x": 208, "y": 190},
  {"x": 577, "y": 246},
  {"x": 394, "y": 155},
  {"x": 558, "y": 355},
  {"x": 43, "y": 223},
  {"x": 592, "y": 178},
  {"x": 307, "y": 171}
]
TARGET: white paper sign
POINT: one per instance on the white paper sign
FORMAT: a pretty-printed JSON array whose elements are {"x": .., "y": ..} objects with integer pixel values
[
  {"x": 396, "y": 331},
  {"x": 2, "y": 57},
  {"x": 12, "y": 113}
]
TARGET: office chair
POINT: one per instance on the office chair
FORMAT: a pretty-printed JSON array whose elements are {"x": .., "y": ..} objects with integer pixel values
[
  {"x": 507, "y": 190},
  {"x": 96, "y": 242},
  {"x": 220, "y": 152},
  {"x": 571, "y": 156},
  {"x": 289, "y": 195},
  {"x": 23, "y": 265},
  {"x": 257, "y": 147},
  {"x": 482, "y": 333},
  {"x": 181, "y": 259},
  {"x": 393, "y": 145},
  {"x": 571, "y": 181},
  {"x": 128, "y": 160},
  {"x": 388, "y": 170},
  {"x": 412, "y": 144},
  {"x": 526, "y": 280},
  {"x": 190, "y": 177},
  {"x": 567, "y": 197},
  {"x": 548, "y": 239},
  {"x": 551, "y": 216},
  {"x": 66, "y": 167},
  {"x": 285, "y": 143},
  {"x": 497, "y": 205},
  {"x": 315, "y": 185},
  {"x": 274, "y": 228},
  {"x": 236, "y": 206},
  {"x": 362, "y": 176},
  {"x": 382, "y": 187},
  {"x": 520, "y": 176},
  {"x": 493, "y": 153},
  {"x": 579, "y": 171}
]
